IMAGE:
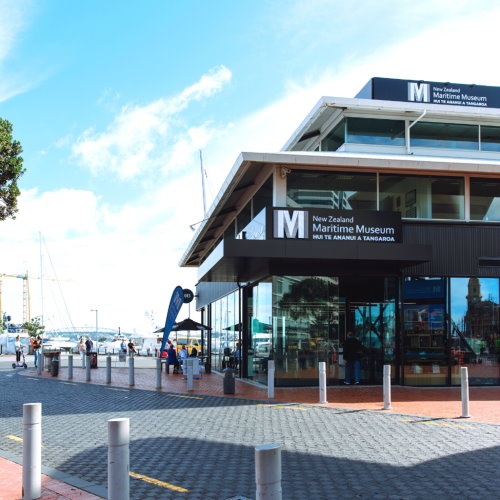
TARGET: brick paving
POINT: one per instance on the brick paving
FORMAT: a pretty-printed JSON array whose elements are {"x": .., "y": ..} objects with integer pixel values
[
  {"x": 204, "y": 443},
  {"x": 431, "y": 402}
]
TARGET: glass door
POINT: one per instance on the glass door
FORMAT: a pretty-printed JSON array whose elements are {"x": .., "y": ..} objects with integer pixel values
[{"x": 374, "y": 326}]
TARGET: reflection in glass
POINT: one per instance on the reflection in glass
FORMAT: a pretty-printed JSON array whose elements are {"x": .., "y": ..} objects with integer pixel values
[
  {"x": 424, "y": 350},
  {"x": 475, "y": 329},
  {"x": 423, "y": 197},
  {"x": 306, "y": 312},
  {"x": 259, "y": 305},
  {"x": 490, "y": 138},
  {"x": 345, "y": 191},
  {"x": 485, "y": 199},
  {"x": 225, "y": 330},
  {"x": 335, "y": 138},
  {"x": 378, "y": 132},
  {"x": 444, "y": 135}
]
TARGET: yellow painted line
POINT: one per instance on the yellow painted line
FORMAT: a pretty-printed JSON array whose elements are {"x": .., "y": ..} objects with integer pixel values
[
  {"x": 114, "y": 389},
  {"x": 436, "y": 423},
  {"x": 67, "y": 383},
  {"x": 179, "y": 396},
  {"x": 283, "y": 406},
  {"x": 157, "y": 482},
  {"x": 14, "y": 438}
]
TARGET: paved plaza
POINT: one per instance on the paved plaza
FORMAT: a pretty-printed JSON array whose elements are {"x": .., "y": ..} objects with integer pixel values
[{"x": 201, "y": 447}]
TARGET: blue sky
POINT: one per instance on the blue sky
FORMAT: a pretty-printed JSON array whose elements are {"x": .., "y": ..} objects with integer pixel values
[{"x": 112, "y": 100}]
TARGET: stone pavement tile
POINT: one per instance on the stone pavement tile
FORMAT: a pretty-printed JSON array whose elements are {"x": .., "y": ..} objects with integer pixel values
[{"x": 432, "y": 402}]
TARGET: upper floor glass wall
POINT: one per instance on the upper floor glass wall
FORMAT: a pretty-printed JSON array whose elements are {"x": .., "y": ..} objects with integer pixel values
[
  {"x": 378, "y": 132},
  {"x": 423, "y": 197},
  {"x": 485, "y": 199},
  {"x": 435, "y": 135},
  {"x": 345, "y": 191},
  {"x": 444, "y": 135}
]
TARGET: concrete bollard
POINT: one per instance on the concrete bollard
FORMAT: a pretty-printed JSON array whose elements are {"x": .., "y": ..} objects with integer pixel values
[
  {"x": 131, "y": 371},
  {"x": 387, "y": 387},
  {"x": 70, "y": 366},
  {"x": 83, "y": 360},
  {"x": 108, "y": 369},
  {"x": 118, "y": 459},
  {"x": 158, "y": 373},
  {"x": 39, "y": 368},
  {"x": 464, "y": 375},
  {"x": 270, "y": 379},
  {"x": 268, "y": 472},
  {"x": 87, "y": 368},
  {"x": 322, "y": 382},
  {"x": 32, "y": 451}
]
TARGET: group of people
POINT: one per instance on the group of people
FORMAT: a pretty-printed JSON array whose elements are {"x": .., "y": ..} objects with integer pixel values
[{"x": 176, "y": 360}]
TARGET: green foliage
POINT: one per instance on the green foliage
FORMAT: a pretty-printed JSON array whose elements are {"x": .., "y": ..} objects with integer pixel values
[
  {"x": 34, "y": 327},
  {"x": 102, "y": 339},
  {"x": 11, "y": 168}
]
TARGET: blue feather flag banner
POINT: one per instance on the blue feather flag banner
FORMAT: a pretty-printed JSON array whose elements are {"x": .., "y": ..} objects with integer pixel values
[{"x": 173, "y": 310}]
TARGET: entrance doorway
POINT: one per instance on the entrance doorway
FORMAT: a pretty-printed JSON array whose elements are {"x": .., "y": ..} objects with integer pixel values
[
  {"x": 300, "y": 321},
  {"x": 368, "y": 310}
]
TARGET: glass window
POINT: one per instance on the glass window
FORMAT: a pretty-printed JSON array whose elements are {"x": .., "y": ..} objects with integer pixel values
[
  {"x": 372, "y": 131},
  {"x": 335, "y": 138},
  {"x": 423, "y": 197},
  {"x": 255, "y": 229},
  {"x": 306, "y": 312},
  {"x": 260, "y": 330},
  {"x": 485, "y": 199},
  {"x": 424, "y": 343},
  {"x": 475, "y": 329},
  {"x": 444, "y": 135},
  {"x": 346, "y": 191},
  {"x": 490, "y": 138},
  {"x": 243, "y": 219}
]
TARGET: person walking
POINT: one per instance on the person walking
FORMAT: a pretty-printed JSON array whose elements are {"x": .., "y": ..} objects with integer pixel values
[
  {"x": 37, "y": 344},
  {"x": 353, "y": 350}
]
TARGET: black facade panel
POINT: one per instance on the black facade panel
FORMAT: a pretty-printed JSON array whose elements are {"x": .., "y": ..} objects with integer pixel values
[
  {"x": 456, "y": 248},
  {"x": 207, "y": 292}
]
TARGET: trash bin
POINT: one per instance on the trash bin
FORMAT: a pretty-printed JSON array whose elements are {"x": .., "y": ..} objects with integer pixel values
[
  {"x": 54, "y": 367},
  {"x": 93, "y": 359},
  {"x": 229, "y": 381}
]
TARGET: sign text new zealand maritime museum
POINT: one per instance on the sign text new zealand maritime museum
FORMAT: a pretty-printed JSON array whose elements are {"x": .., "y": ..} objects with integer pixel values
[{"x": 346, "y": 225}]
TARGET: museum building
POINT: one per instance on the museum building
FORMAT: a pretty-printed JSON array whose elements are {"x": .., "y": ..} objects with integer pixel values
[{"x": 380, "y": 216}]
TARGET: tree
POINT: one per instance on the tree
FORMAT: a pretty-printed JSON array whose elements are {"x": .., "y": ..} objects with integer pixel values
[
  {"x": 11, "y": 168},
  {"x": 34, "y": 327}
]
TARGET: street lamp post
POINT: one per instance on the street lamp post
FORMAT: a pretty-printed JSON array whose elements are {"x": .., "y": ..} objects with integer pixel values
[{"x": 96, "y": 325}]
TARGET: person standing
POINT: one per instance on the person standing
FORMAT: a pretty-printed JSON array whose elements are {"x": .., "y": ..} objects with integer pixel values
[
  {"x": 131, "y": 348},
  {"x": 37, "y": 344},
  {"x": 88, "y": 346},
  {"x": 352, "y": 355},
  {"x": 17, "y": 345},
  {"x": 81, "y": 351}
]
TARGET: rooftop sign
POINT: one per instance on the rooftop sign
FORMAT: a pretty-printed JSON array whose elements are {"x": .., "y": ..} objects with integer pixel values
[{"x": 458, "y": 94}]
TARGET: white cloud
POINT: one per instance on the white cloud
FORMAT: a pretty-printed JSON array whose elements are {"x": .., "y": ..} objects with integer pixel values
[
  {"x": 140, "y": 138},
  {"x": 124, "y": 261}
]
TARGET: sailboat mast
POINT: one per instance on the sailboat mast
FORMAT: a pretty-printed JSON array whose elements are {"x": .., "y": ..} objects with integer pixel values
[
  {"x": 41, "y": 275},
  {"x": 203, "y": 185}
]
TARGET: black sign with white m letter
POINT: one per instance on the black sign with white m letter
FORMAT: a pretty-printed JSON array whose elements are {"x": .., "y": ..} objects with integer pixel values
[{"x": 334, "y": 225}]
